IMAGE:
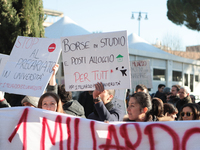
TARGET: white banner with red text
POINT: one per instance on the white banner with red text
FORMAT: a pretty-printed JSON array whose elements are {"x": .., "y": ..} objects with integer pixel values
[{"x": 29, "y": 128}]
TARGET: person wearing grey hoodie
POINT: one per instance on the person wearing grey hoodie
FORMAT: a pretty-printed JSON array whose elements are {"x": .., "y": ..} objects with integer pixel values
[{"x": 30, "y": 101}]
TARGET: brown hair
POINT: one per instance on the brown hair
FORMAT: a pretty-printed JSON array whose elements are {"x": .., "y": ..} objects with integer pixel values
[
  {"x": 57, "y": 99},
  {"x": 170, "y": 109},
  {"x": 195, "y": 109},
  {"x": 177, "y": 87},
  {"x": 157, "y": 107}
]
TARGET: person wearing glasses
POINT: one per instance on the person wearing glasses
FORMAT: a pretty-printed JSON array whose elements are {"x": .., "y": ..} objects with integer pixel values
[{"x": 190, "y": 111}]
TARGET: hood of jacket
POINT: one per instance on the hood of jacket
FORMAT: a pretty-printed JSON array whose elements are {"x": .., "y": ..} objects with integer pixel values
[{"x": 73, "y": 107}]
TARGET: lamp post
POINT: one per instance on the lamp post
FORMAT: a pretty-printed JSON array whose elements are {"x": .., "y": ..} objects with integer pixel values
[{"x": 139, "y": 18}]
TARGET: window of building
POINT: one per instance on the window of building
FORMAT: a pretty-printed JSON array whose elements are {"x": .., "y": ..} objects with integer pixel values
[
  {"x": 177, "y": 76},
  {"x": 186, "y": 79},
  {"x": 191, "y": 82},
  {"x": 159, "y": 74},
  {"x": 197, "y": 78}
]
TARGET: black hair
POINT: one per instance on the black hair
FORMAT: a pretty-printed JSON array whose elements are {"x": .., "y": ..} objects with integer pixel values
[
  {"x": 143, "y": 99},
  {"x": 161, "y": 85},
  {"x": 142, "y": 87}
]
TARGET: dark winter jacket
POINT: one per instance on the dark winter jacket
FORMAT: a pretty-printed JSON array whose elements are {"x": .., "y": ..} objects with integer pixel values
[
  {"x": 173, "y": 100},
  {"x": 106, "y": 112},
  {"x": 86, "y": 100},
  {"x": 182, "y": 102},
  {"x": 161, "y": 96}
]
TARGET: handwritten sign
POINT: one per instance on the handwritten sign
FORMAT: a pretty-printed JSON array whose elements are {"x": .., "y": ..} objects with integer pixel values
[
  {"x": 119, "y": 100},
  {"x": 3, "y": 60},
  {"x": 141, "y": 73},
  {"x": 32, "y": 128},
  {"x": 102, "y": 57},
  {"x": 29, "y": 68}
]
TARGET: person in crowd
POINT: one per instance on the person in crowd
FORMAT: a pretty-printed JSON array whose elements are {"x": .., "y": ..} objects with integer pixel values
[
  {"x": 174, "y": 97},
  {"x": 30, "y": 101},
  {"x": 190, "y": 111},
  {"x": 50, "y": 101},
  {"x": 3, "y": 101},
  {"x": 127, "y": 95},
  {"x": 170, "y": 110},
  {"x": 184, "y": 97},
  {"x": 193, "y": 98},
  {"x": 159, "y": 93},
  {"x": 104, "y": 109},
  {"x": 139, "y": 107},
  {"x": 70, "y": 106},
  {"x": 86, "y": 100},
  {"x": 14, "y": 99},
  {"x": 166, "y": 92},
  {"x": 141, "y": 88},
  {"x": 157, "y": 108}
]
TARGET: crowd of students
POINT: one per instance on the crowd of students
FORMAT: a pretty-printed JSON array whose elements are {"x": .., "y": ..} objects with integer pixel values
[{"x": 167, "y": 104}]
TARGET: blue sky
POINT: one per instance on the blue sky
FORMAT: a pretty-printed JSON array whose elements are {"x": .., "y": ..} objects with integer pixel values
[{"x": 115, "y": 15}]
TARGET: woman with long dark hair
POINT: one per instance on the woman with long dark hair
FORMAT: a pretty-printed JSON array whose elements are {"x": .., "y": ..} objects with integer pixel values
[{"x": 139, "y": 107}]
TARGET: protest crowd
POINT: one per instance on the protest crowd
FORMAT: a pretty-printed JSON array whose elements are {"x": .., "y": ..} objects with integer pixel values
[
  {"x": 167, "y": 104},
  {"x": 83, "y": 112}
]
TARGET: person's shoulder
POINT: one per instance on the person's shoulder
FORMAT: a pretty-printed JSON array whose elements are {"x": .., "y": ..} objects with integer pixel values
[
  {"x": 116, "y": 110},
  {"x": 92, "y": 116}
]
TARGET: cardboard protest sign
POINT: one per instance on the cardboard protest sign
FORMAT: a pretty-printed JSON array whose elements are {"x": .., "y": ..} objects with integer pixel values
[
  {"x": 141, "y": 73},
  {"x": 102, "y": 57},
  {"x": 3, "y": 60},
  {"x": 119, "y": 100},
  {"x": 32, "y": 129},
  {"x": 29, "y": 68}
]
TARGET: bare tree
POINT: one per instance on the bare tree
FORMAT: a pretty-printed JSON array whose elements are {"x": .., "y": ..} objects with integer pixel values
[{"x": 172, "y": 41}]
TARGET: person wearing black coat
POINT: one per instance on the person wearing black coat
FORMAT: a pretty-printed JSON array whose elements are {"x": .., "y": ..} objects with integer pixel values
[
  {"x": 159, "y": 93},
  {"x": 184, "y": 98},
  {"x": 86, "y": 100}
]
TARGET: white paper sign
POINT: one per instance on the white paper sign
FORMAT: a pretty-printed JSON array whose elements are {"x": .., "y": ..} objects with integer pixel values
[
  {"x": 3, "y": 60},
  {"x": 26, "y": 128},
  {"x": 119, "y": 100},
  {"x": 141, "y": 73},
  {"x": 30, "y": 66},
  {"x": 102, "y": 57}
]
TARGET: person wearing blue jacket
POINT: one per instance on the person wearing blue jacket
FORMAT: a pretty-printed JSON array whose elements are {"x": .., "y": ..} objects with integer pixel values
[{"x": 104, "y": 110}]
